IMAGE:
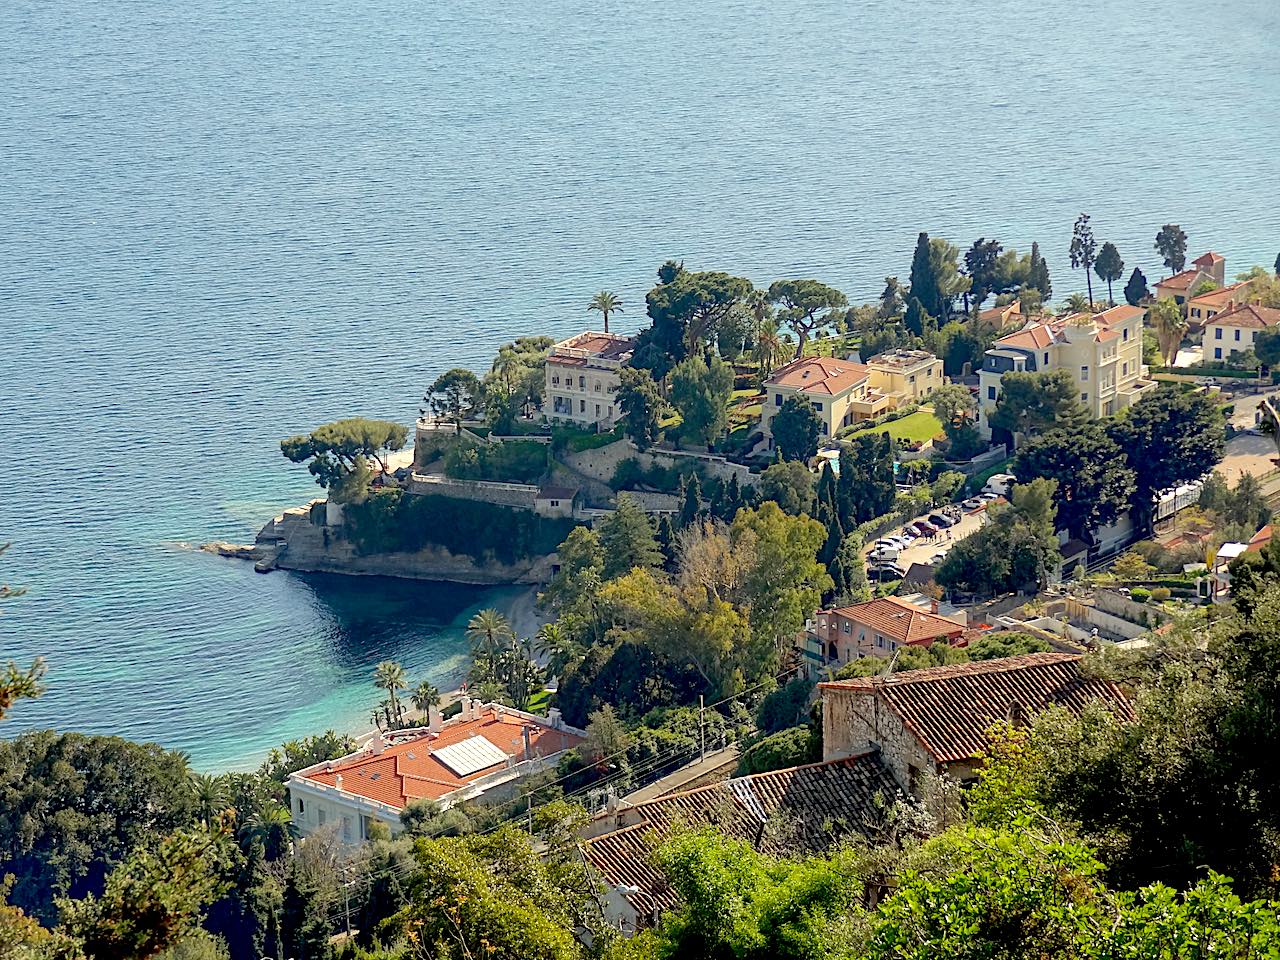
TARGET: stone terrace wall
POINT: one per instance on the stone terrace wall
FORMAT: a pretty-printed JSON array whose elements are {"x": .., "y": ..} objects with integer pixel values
[
  {"x": 600, "y": 464},
  {"x": 520, "y": 495}
]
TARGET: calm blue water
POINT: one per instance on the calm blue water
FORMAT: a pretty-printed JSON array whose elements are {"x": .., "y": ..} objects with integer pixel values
[{"x": 226, "y": 221}]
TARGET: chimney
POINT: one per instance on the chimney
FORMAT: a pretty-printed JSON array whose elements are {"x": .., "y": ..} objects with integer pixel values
[
  {"x": 434, "y": 719},
  {"x": 378, "y": 743},
  {"x": 466, "y": 708},
  {"x": 554, "y": 718},
  {"x": 528, "y": 745},
  {"x": 933, "y": 605},
  {"x": 338, "y": 781}
]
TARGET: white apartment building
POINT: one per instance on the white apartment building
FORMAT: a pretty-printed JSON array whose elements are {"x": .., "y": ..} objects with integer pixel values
[{"x": 1235, "y": 329}]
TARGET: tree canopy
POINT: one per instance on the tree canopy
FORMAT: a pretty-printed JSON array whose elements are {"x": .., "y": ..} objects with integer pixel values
[
  {"x": 455, "y": 396},
  {"x": 1032, "y": 403},
  {"x": 338, "y": 453},
  {"x": 1094, "y": 480},
  {"x": 1171, "y": 244},
  {"x": 796, "y": 428},
  {"x": 701, "y": 390},
  {"x": 801, "y": 302}
]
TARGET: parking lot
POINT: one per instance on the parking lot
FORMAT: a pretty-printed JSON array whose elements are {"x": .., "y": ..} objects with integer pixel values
[{"x": 923, "y": 550}]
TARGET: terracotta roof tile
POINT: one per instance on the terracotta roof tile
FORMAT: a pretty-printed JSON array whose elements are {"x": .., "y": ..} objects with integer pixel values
[
  {"x": 1118, "y": 314},
  {"x": 1221, "y": 297},
  {"x": 408, "y": 769},
  {"x": 1208, "y": 259},
  {"x": 820, "y": 375},
  {"x": 798, "y": 810},
  {"x": 899, "y": 620},
  {"x": 1035, "y": 336},
  {"x": 1248, "y": 315},
  {"x": 949, "y": 709},
  {"x": 1180, "y": 281}
]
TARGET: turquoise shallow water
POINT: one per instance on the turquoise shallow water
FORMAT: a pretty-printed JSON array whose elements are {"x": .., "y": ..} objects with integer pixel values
[{"x": 228, "y": 221}]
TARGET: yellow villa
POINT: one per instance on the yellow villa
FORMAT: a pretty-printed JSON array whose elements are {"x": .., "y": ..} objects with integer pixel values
[
  {"x": 1103, "y": 353},
  {"x": 844, "y": 392}
]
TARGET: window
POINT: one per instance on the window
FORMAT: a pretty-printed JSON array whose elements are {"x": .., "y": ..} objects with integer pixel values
[
  {"x": 1126, "y": 335},
  {"x": 555, "y": 503},
  {"x": 346, "y": 828},
  {"x": 1084, "y": 397},
  {"x": 1046, "y": 359},
  {"x": 320, "y": 816},
  {"x": 991, "y": 393},
  {"x": 847, "y": 627},
  {"x": 555, "y": 381},
  {"x": 302, "y": 807},
  {"x": 1124, "y": 369},
  {"x": 1237, "y": 335},
  {"x": 1217, "y": 333},
  {"x": 1084, "y": 374},
  {"x": 913, "y": 779},
  {"x": 911, "y": 379},
  {"x": 597, "y": 386},
  {"x": 597, "y": 409},
  {"x": 582, "y": 406},
  {"x": 817, "y": 404},
  {"x": 582, "y": 383},
  {"x": 879, "y": 641},
  {"x": 1195, "y": 312},
  {"x": 777, "y": 399},
  {"x": 1217, "y": 353}
]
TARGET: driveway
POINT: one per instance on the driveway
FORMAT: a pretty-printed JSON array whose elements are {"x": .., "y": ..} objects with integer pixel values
[{"x": 1248, "y": 453}]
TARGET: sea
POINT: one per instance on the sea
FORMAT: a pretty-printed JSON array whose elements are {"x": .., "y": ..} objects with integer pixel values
[{"x": 223, "y": 222}]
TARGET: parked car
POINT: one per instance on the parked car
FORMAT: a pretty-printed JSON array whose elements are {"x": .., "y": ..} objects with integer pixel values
[
  {"x": 897, "y": 542},
  {"x": 1000, "y": 483},
  {"x": 938, "y": 557},
  {"x": 942, "y": 520},
  {"x": 926, "y": 528},
  {"x": 885, "y": 553},
  {"x": 887, "y": 571},
  {"x": 973, "y": 503},
  {"x": 988, "y": 496}
]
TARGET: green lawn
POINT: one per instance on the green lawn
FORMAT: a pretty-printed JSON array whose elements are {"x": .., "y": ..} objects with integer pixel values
[{"x": 921, "y": 425}]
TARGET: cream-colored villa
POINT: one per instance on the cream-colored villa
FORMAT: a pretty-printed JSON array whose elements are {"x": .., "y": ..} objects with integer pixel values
[
  {"x": 845, "y": 393},
  {"x": 1103, "y": 353},
  {"x": 582, "y": 378},
  {"x": 1235, "y": 329}
]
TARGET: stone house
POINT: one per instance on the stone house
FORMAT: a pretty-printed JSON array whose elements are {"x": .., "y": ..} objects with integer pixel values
[
  {"x": 555, "y": 501},
  {"x": 935, "y": 721},
  {"x": 799, "y": 810},
  {"x": 479, "y": 755}
]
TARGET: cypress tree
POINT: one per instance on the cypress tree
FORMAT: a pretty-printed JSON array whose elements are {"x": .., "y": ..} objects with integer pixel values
[
  {"x": 831, "y": 547},
  {"x": 917, "y": 318},
  {"x": 692, "y": 506},
  {"x": 733, "y": 498},
  {"x": 667, "y": 538},
  {"x": 1135, "y": 291},
  {"x": 1038, "y": 274},
  {"x": 924, "y": 281}
]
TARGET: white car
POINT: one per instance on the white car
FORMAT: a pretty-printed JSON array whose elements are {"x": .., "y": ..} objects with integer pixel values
[
  {"x": 937, "y": 558},
  {"x": 894, "y": 542}
]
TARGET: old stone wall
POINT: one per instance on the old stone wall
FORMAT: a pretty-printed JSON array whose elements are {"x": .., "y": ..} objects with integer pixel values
[
  {"x": 854, "y": 721},
  {"x": 600, "y": 464},
  {"x": 519, "y": 495}
]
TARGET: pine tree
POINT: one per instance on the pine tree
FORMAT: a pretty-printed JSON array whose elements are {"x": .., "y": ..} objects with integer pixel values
[
  {"x": 716, "y": 503},
  {"x": 917, "y": 318},
  {"x": 667, "y": 538},
  {"x": 627, "y": 538}
]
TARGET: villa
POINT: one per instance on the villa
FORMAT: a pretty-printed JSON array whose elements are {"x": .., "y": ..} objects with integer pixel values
[
  {"x": 479, "y": 756},
  {"x": 1181, "y": 286},
  {"x": 1234, "y": 330},
  {"x": 582, "y": 378},
  {"x": 1103, "y": 353},
  {"x": 877, "y": 628},
  {"x": 1202, "y": 309},
  {"x": 844, "y": 392}
]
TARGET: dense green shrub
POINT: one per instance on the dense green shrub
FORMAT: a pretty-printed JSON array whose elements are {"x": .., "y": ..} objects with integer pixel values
[
  {"x": 630, "y": 475},
  {"x": 787, "y": 748},
  {"x": 575, "y": 439},
  {"x": 391, "y": 521},
  {"x": 514, "y": 461},
  {"x": 1160, "y": 593},
  {"x": 1140, "y": 594}
]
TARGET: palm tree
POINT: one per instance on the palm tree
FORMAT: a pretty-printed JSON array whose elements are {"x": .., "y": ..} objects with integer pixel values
[
  {"x": 504, "y": 367},
  {"x": 489, "y": 634},
  {"x": 760, "y": 307},
  {"x": 606, "y": 303},
  {"x": 425, "y": 696},
  {"x": 1079, "y": 303},
  {"x": 1170, "y": 327},
  {"x": 211, "y": 793},
  {"x": 554, "y": 644},
  {"x": 389, "y": 676},
  {"x": 770, "y": 350},
  {"x": 273, "y": 827}
]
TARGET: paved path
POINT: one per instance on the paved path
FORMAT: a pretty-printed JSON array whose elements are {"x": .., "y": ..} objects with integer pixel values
[{"x": 1248, "y": 453}]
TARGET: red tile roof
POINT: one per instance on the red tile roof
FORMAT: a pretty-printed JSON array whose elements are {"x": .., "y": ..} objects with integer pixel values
[
  {"x": 1259, "y": 539},
  {"x": 950, "y": 709},
  {"x": 408, "y": 769},
  {"x": 1222, "y": 296},
  {"x": 1248, "y": 315},
  {"x": 604, "y": 346},
  {"x": 1034, "y": 337},
  {"x": 899, "y": 620},
  {"x": 1180, "y": 281},
  {"x": 821, "y": 375},
  {"x": 1208, "y": 259},
  {"x": 1118, "y": 314},
  {"x": 798, "y": 810}
]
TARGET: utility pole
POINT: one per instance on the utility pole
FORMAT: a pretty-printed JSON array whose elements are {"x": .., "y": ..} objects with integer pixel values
[{"x": 702, "y": 729}]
